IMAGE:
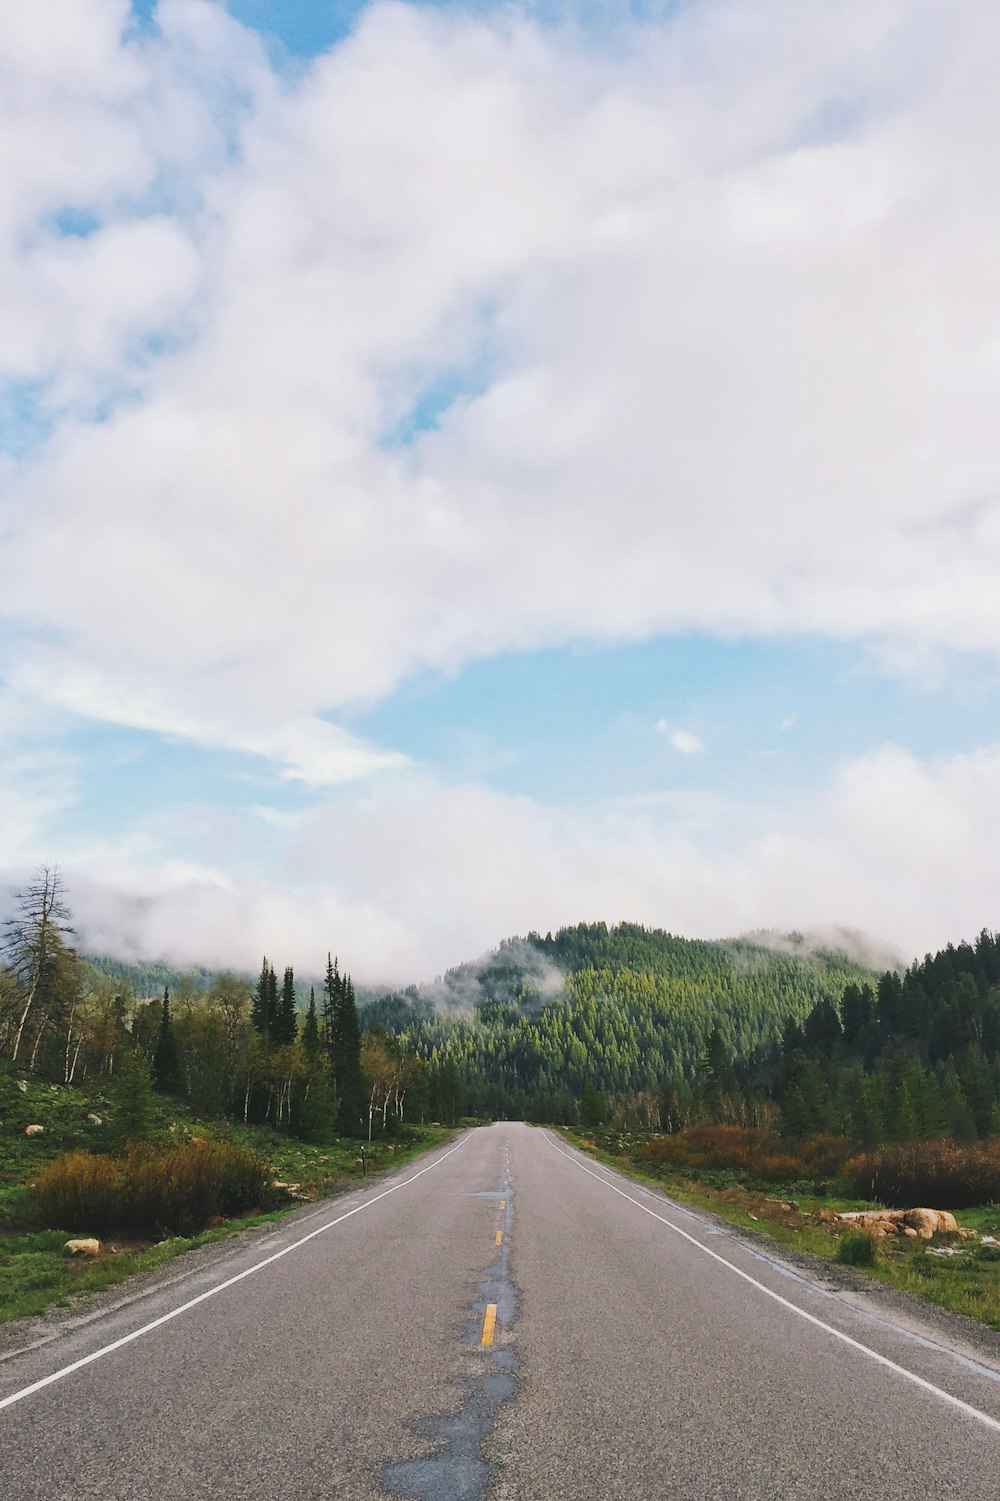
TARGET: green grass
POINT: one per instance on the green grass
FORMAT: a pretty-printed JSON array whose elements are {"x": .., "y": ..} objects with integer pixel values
[
  {"x": 855, "y": 1248},
  {"x": 968, "y": 1284},
  {"x": 36, "y": 1272}
]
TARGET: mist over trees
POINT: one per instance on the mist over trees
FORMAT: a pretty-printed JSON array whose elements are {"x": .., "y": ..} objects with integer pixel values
[
  {"x": 625, "y": 1024},
  {"x": 224, "y": 1045}
]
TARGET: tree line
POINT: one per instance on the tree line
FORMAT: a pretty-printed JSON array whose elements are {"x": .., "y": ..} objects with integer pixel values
[{"x": 244, "y": 1050}]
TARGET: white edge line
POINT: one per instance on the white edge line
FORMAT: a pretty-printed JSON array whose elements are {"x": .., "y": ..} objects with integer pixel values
[
  {"x": 258, "y": 1266},
  {"x": 883, "y": 1360}
]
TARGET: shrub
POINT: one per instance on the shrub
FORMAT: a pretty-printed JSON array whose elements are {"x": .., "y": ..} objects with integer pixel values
[
  {"x": 749, "y": 1152},
  {"x": 175, "y": 1190},
  {"x": 856, "y": 1248},
  {"x": 75, "y": 1191},
  {"x": 941, "y": 1174}
]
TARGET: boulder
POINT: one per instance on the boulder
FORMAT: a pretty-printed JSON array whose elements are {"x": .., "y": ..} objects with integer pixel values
[
  {"x": 95, "y": 1120},
  {"x": 923, "y": 1221},
  {"x": 910, "y": 1222},
  {"x": 33, "y": 1130},
  {"x": 86, "y": 1247}
]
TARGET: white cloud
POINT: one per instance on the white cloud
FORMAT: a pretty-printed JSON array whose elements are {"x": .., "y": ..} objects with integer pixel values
[
  {"x": 724, "y": 295},
  {"x": 722, "y": 306},
  {"x": 306, "y": 749},
  {"x": 683, "y": 741},
  {"x": 416, "y": 875}
]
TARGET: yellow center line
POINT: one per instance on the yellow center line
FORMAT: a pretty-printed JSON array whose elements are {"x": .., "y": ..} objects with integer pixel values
[
  {"x": 499, "y": 1238},
  {"x": 489, "y": 1323}
]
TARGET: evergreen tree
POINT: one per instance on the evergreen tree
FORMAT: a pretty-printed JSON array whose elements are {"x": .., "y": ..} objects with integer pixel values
[
  {"x": 593, "y": 1106},
  {"x": 347, "y": 1062},
  {"x": 719, "y": 1076},
  {"x": 285, "y": 1025},
  {"x": 332, "y": 986},
  {"x": 166, "y": 1056},
  {"x": 311, "y": 1044},
  {"x": 263, "y": 1012},
  {"x": 134, "y": 1102}
]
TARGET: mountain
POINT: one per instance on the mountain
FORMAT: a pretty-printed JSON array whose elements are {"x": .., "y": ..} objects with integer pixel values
[{"x": 620, "y": 1010}]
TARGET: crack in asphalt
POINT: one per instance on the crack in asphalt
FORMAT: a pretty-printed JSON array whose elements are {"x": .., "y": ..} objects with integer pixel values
[{"x": 456, "y": 1470}]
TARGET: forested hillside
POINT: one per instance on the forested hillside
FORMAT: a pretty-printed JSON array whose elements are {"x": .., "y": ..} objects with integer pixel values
[
  {"x": 226, "y": 1046},
  {"x": 625, "y": 1012},
  {"x": 915, "y": 1056},
  {"x": 656, "y": 1031}
]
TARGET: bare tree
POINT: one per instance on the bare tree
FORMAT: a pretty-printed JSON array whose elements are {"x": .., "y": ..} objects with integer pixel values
[{"x": 37, "y": 953}]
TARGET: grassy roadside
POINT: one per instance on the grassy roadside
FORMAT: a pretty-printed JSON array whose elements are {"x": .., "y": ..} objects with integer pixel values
[
  {"x": 37, "y": 1273},
  {"x": 967, "y": 1282}
]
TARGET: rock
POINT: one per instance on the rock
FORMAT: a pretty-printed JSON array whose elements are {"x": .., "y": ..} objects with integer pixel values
[
  {"x": 912, "y": 1222},
  {"x": 95, "y": 1120},
  {"x": 89, "y": 1247},
  {"x": 33, "y": 1130},
  {"x": 923, "y": 1221},
  {"x": 872, "y": 1222},
  {"x": 22, "y": 1085}
]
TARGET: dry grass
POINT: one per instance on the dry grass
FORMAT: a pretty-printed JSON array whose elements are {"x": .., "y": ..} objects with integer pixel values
[
  {"x": 947, "y": 1174},
  {"x": 176, "y": 1190}
]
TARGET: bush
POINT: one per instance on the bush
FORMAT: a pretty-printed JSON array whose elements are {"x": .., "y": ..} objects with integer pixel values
[
  {"x": 749, "y": 1152},
  {"x": 940, "y": 1174},
  {"x": 75, "y": 1191},
  {"x": 175, "y": 1190},
  {"x": 856, "y": 1248}
]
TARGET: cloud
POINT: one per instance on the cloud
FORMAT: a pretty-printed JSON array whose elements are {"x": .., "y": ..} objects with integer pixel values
[
  {"x": 726, "y": 366},
  {"x": 417, "y": 876},
  {"x": 475, "y": 335},
  {"x": 305, "y": 748},
  {"x": 682, "y": 741}
]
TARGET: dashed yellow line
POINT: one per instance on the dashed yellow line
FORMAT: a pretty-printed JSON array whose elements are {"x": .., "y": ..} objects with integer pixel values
[
  {"x": 489, "y": 1324},
  {"x": 499, "y": 1238}
]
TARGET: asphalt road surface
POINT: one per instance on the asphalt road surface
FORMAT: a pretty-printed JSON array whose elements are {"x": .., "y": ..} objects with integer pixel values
[{"x": 500, "y": 1319}]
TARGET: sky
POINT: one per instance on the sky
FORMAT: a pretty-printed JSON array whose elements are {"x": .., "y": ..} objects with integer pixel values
[{"x": 467, "y": 468}]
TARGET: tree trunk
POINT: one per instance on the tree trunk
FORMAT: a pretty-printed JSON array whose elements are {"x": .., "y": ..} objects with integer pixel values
[
  {"x": 24, "y": 1017},
  {"x": 38, "y": 1039}
]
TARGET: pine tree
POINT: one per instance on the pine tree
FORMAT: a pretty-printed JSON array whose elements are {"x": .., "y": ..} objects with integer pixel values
[
  {"x": 311, "y": 1044},
  {"x": 593, "y": 1106},
  {"x": 263, "y": 1012},
  {"x": 134, "y": 1101},
  {"x": 285, "y": 1024},
  {"x": 166, "y": 1057},
  {"x": 347, "y": 1060},
  {"x": 332, "y": 985}
]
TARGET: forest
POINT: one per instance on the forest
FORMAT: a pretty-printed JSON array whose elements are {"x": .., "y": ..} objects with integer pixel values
[
  {"x": 614, "y": 1019},
  {"x": 623, "y": 1024},
  {"x": 255, "y": 1051}
]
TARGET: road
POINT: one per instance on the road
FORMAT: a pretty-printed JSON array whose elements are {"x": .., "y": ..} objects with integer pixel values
[{"x": 638, "y": 1351}]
